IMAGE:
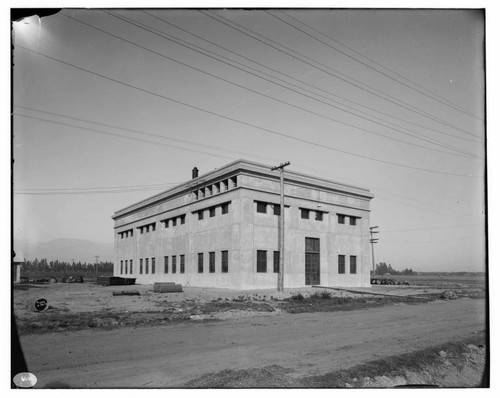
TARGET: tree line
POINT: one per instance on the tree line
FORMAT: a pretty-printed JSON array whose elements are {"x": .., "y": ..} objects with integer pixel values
[
  {"x": 383, "y": 268},
  {"x": 55, "y": 268}
]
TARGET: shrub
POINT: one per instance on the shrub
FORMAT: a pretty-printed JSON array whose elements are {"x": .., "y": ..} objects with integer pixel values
[
  {"x": 326, "y": 294},
  {"x": 298, "y": 296}
]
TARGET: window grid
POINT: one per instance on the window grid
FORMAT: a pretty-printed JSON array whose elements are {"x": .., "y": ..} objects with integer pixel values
[
  {"x": 182, "y": 263},
  {"x": 153, "y": 264},
  {"x": 165, "y": 264},
  {"x": 276, "y": 262},
  {"x": 224, "y": 261},
  {"x": 352, "y": 264},
  {"x": 174, "y": 264},
  {"x": 211, "y": 262},
  {"x": 261, "y": 207},
  {"x": 261, "y": 261},
  {"x": 200, "y": 263},
  {"x": 341, "y": 264}
]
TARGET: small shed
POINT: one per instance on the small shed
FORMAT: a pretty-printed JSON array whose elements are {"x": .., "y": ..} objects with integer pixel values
[{"x": 17, "y": 262}]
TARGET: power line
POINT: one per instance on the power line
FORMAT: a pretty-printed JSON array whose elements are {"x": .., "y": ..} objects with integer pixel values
[
  {"x": 433, "y": 228},
  {"x": 239, "y": 121},
  {"x": 447, "y": 103},
  {"x": 389, "y": 98},
  {"x": 298, "y": 80},
  {"x": 152, "y": 30},
  {"x": 90, "y": 189},
  {"x": 382, "y": 66},
  {"x": 216, "y": 148},
  {"x": 391, "y": 195},
  {"x": 436, "y": 241}
]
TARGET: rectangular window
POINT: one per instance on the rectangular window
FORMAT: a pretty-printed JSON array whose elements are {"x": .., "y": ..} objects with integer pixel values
[
  {"x": 225, "y": 208},
  {"x": 140, "y": 266},
  {"x": 319, "y": 216},
  {"x": 174, "y": 264},
  {"x": 304, "y": 213},
  {"x": 353, "y": 264},
  {"x": 200, "y": 215},
  {"x": 341, "y": 218},
  {"x": 183, "y": 219},
  {"x": 341, "y": 264},
  {"x": 224, "y": 261},
  {"x": 147, "y": 266},
  {"x": 121, "y": 267},
  {"x": 126, "y": 267},
  {"x": 153, "y": 227},
  {"x": 276, "y": 210},
  {"x": 234, "y": 182},
  {"x": 212, "y": 212},
  {"x": 261, "y": 261},
  {"x": 200, "y": 263},
  {"x": 165, "y": 264},
  {"x": 131, "y": 262},
  {"x": 211, "y": 262},
  {"x": 261, "y": 207},
  {"x": 153, "y": 264},
  {"x": 276, "y": 262},
  {"x": 166, "y": 223},
  {"x": 174, "y": 222},
  {"x": 352, "y": 220},
  {"x": 183, "y": 264}
]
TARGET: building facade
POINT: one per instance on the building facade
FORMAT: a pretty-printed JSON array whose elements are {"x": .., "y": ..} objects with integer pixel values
[{"x": 221, "y": 229}]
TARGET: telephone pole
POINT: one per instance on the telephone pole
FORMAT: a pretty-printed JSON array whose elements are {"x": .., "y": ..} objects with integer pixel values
[
  {"x": 282, "y": 225},
  {"x": 373, "y": 241}
]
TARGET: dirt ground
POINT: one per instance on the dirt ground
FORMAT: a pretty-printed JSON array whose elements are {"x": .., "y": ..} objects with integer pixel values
[
  {"x": 204, "y": 337},
  {"x": 79, "y": 306},
  {"x": 305, "y": 345}
]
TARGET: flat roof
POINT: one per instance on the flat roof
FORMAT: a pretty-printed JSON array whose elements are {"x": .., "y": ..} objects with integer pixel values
[{"x": 237, "y": 167}]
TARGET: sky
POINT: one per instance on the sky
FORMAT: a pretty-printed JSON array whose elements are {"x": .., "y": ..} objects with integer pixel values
[{"x": 113, "y": 106}]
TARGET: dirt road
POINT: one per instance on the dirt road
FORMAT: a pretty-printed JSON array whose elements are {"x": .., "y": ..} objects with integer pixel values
[{"x": 309, "y": 343}]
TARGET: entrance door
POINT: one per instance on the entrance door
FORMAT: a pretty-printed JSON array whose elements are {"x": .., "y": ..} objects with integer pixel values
[{"x": 312, "y": 261}]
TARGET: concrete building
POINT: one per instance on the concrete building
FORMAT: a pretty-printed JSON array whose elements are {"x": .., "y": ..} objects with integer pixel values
[{"x": 220, "y": 229}]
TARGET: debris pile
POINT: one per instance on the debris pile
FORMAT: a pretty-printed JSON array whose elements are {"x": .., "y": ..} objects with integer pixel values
[{"x": 449, "y": 295}]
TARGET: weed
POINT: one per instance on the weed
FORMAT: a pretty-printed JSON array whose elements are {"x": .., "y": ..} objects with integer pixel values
[
  {"x": 298, "y": 296},
  {"x": 326, "y": 294}
]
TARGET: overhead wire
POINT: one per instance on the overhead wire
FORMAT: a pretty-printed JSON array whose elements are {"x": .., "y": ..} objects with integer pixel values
[
  {"x": 460, "y": 152},
  {"x": 382, "y": 66},
  {"x": 300, "y": 81},
  {"x": 390, "y": 195},
  {"x": 242, "y": 122},
  {"x": 371, "y": 90},
  {"x": 447, "y": 103}
]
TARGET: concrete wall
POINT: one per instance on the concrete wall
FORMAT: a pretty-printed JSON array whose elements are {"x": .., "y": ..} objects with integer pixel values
[{"x": 243, "y": 231}]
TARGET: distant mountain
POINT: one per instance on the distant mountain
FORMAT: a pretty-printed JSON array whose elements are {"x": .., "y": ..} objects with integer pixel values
[{"x": 65, "y": 250}]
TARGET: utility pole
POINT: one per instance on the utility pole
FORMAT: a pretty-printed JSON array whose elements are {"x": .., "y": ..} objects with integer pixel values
[
  {"x": 373, "y": 241},
  {"x": 282, "y": 225}
]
